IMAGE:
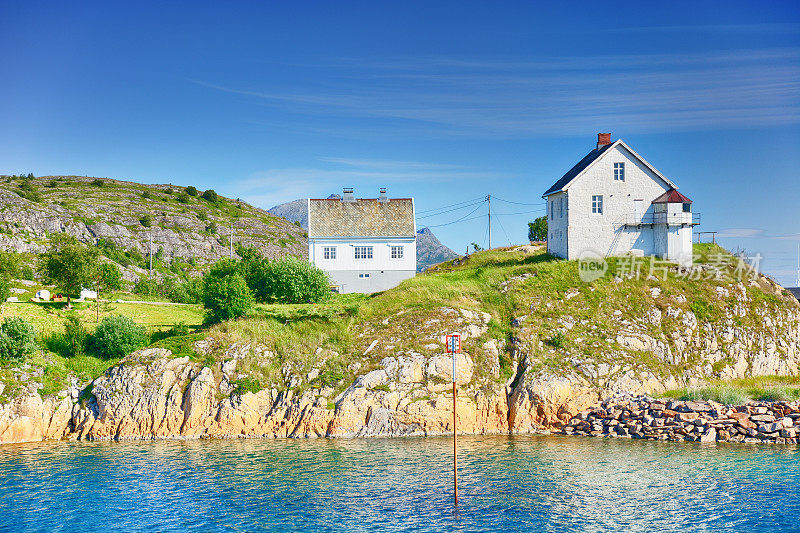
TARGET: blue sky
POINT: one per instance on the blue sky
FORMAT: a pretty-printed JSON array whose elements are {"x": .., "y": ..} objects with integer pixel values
[{"x": 442, "y": 101}]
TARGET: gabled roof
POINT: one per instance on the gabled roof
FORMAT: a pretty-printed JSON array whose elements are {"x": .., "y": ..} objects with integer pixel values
[
  {"x": 593, "y": 156},
  {"x": 364, "y": 217},
  {"x": 671, "y": 197}
]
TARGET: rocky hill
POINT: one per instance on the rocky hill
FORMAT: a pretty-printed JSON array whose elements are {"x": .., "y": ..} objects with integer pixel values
[
  {"x": 429, "y": 250},
  {"x": 539, "y": 347},
  {"x": 181, "y": 222}
]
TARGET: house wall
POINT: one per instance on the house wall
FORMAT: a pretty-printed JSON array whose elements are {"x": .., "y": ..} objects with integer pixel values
[
  {"x": 602, "y": 234},
  {"x": 557, "y": 217},
  {"x": 384, "y": 272}
]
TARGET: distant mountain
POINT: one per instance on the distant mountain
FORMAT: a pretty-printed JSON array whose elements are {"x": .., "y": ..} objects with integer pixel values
[
  {"x": 429, "y": 250},
  {"x": 296, "y": 211}
]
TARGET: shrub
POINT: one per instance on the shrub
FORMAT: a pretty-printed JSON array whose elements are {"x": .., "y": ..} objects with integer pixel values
[
  {"x": 210, "y": 195},
  {"x": 109, "y": 276},
  {"x": 226, "y": 297},
  {"x": 557, "y": 341},
  {"x": 211, "y": 227},
  {"x": 191, "y": 190},
  {"x": 117, "y": 336},
  {"x": 97, "y": 182},
  {"x": 146, "y": 221},
  {"x": 72, "y": 341},
  {"x": 182, "y": 198},
  {"x": 168, "y": 190},
  {"x": 291, "y": 280},
  {"x": 146, "y": 194},
  {"x": 202, "y": 216},
  {"x": 146, "y": 286},
  {"x": 17, "y": 339}
]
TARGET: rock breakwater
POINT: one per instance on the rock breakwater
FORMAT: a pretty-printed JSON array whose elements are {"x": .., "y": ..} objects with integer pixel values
[{"x": 641, "y": 417}]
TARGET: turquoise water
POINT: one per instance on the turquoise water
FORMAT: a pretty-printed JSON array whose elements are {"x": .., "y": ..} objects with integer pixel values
[{"x": 507, "y": 484}]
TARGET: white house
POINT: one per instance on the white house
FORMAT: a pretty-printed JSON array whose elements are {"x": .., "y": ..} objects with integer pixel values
[
  {"x": 613, "y": 202},
  {"x": 366, "y": 244}
]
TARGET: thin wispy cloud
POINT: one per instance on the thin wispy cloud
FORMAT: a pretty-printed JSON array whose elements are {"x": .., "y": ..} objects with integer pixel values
[
  {"x": 558, "y": 96},
  {"x": 740, "y": 233},
  {"x": 270, "y": 187}
]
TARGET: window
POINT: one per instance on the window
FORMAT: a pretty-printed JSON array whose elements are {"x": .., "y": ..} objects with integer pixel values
[
  {"x": 597, "y": 204},
  {"x": 619, "y": 171},
  {"x": 363, "y": 252},
  {"x": 397, "y": 252},
  {"x": 329, "y": 252},
  {"x": 551, "y": 209},
  {"x": 687, "y": 207},
  {"x": 363, "y": 275}
]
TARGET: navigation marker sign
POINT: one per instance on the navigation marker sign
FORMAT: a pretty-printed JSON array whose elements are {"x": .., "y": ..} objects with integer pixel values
[{"x": 453, "y": 344}]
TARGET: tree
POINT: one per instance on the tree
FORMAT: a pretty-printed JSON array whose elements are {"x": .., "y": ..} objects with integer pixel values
[
  {"x": 210, "y": 195},
  {"x": 291, "y": 280},
  {"x": 5, "y": 292},
  {"x": 537, "y": 230},
  {"x": 146, "y": 220},
  {"x": 69, "y": 264},
  {"x": 109, "y": 277},
  {"x": 191, "y": 190},
  {"x": 226, "y": 297}
]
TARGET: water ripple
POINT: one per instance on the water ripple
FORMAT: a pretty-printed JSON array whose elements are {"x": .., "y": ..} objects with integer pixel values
[{"x": 507, "y": 483}]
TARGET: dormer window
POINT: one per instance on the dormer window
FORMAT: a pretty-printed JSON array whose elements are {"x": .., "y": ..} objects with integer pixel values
[{"x": 619, "y": 171}]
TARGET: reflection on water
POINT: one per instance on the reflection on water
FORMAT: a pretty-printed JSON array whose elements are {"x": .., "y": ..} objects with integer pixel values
[{"x": 507, "y": 484}]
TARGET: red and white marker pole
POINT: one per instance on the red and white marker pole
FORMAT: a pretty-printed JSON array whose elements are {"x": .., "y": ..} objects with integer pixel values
[{"x": 453, "y": 343}]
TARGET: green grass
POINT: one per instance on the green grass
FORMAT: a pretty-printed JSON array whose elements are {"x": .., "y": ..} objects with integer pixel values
[{"x": 739, "y": 391}]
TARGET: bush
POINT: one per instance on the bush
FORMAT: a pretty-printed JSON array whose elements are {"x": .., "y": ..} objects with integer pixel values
[
  {"x": 97, "y": 182},
  {"x": 117, "y": 336},
  {"x": 291, "y": 280},
  {"x": 210, "y": 195},
  {"x": 191, "y": 190},
  {"x": 147, "y": 287},
  {"x": 226, "y": 297},
  {"x": 71, "y": 342},
  {"x": 146, "y": 194},
  {"x": 211, "y": 227},
  {"x": 17, "y": 339},
  {"x": 146, "y": 221},
  {"x": 182, "y": 198}
]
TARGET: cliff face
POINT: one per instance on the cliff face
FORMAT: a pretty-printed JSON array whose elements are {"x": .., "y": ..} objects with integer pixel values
[
  {"x": 152, "y": 394},
  {"x": 559, "y": 356}
]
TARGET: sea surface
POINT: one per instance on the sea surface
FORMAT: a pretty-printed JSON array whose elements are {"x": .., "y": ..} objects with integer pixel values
[{"x": 520, "y": 483}]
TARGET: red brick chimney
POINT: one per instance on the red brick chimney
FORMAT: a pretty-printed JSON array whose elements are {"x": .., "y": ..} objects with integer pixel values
[{"x": 603, "y": 139}]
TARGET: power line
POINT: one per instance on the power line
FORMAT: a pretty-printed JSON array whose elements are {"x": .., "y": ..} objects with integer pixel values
[
  {"x": 504, "y": 231},
  {"x": 451, "y": 210},
  {"x": 540, "y": 210},
  {"x": 451, "y": 205},
  {"x": 518, "y": 203}
]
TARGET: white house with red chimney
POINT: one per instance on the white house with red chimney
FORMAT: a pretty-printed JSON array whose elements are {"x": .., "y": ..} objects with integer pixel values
[{"x": 613, "y": 202}]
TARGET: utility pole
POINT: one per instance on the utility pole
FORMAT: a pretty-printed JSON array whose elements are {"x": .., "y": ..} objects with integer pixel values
[
  {"x": 151, "y": 252},
  {"x": 489, "y": 200}
]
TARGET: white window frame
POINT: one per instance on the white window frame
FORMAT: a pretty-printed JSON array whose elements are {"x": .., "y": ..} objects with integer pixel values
[
  {"x": 329, "y": 253},
  {"x": 396, "y": 251},
  {"x": 619, "y": 171},
  {"x": 362, "y": 253},
  {"x": 597, "y": 204}
]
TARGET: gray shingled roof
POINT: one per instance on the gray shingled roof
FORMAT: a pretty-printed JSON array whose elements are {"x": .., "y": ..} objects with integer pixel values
[
  {"x": 362, "y": 218},
  {"x": 590, "y": 158},
  {"x": 795, "y": 291}
]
